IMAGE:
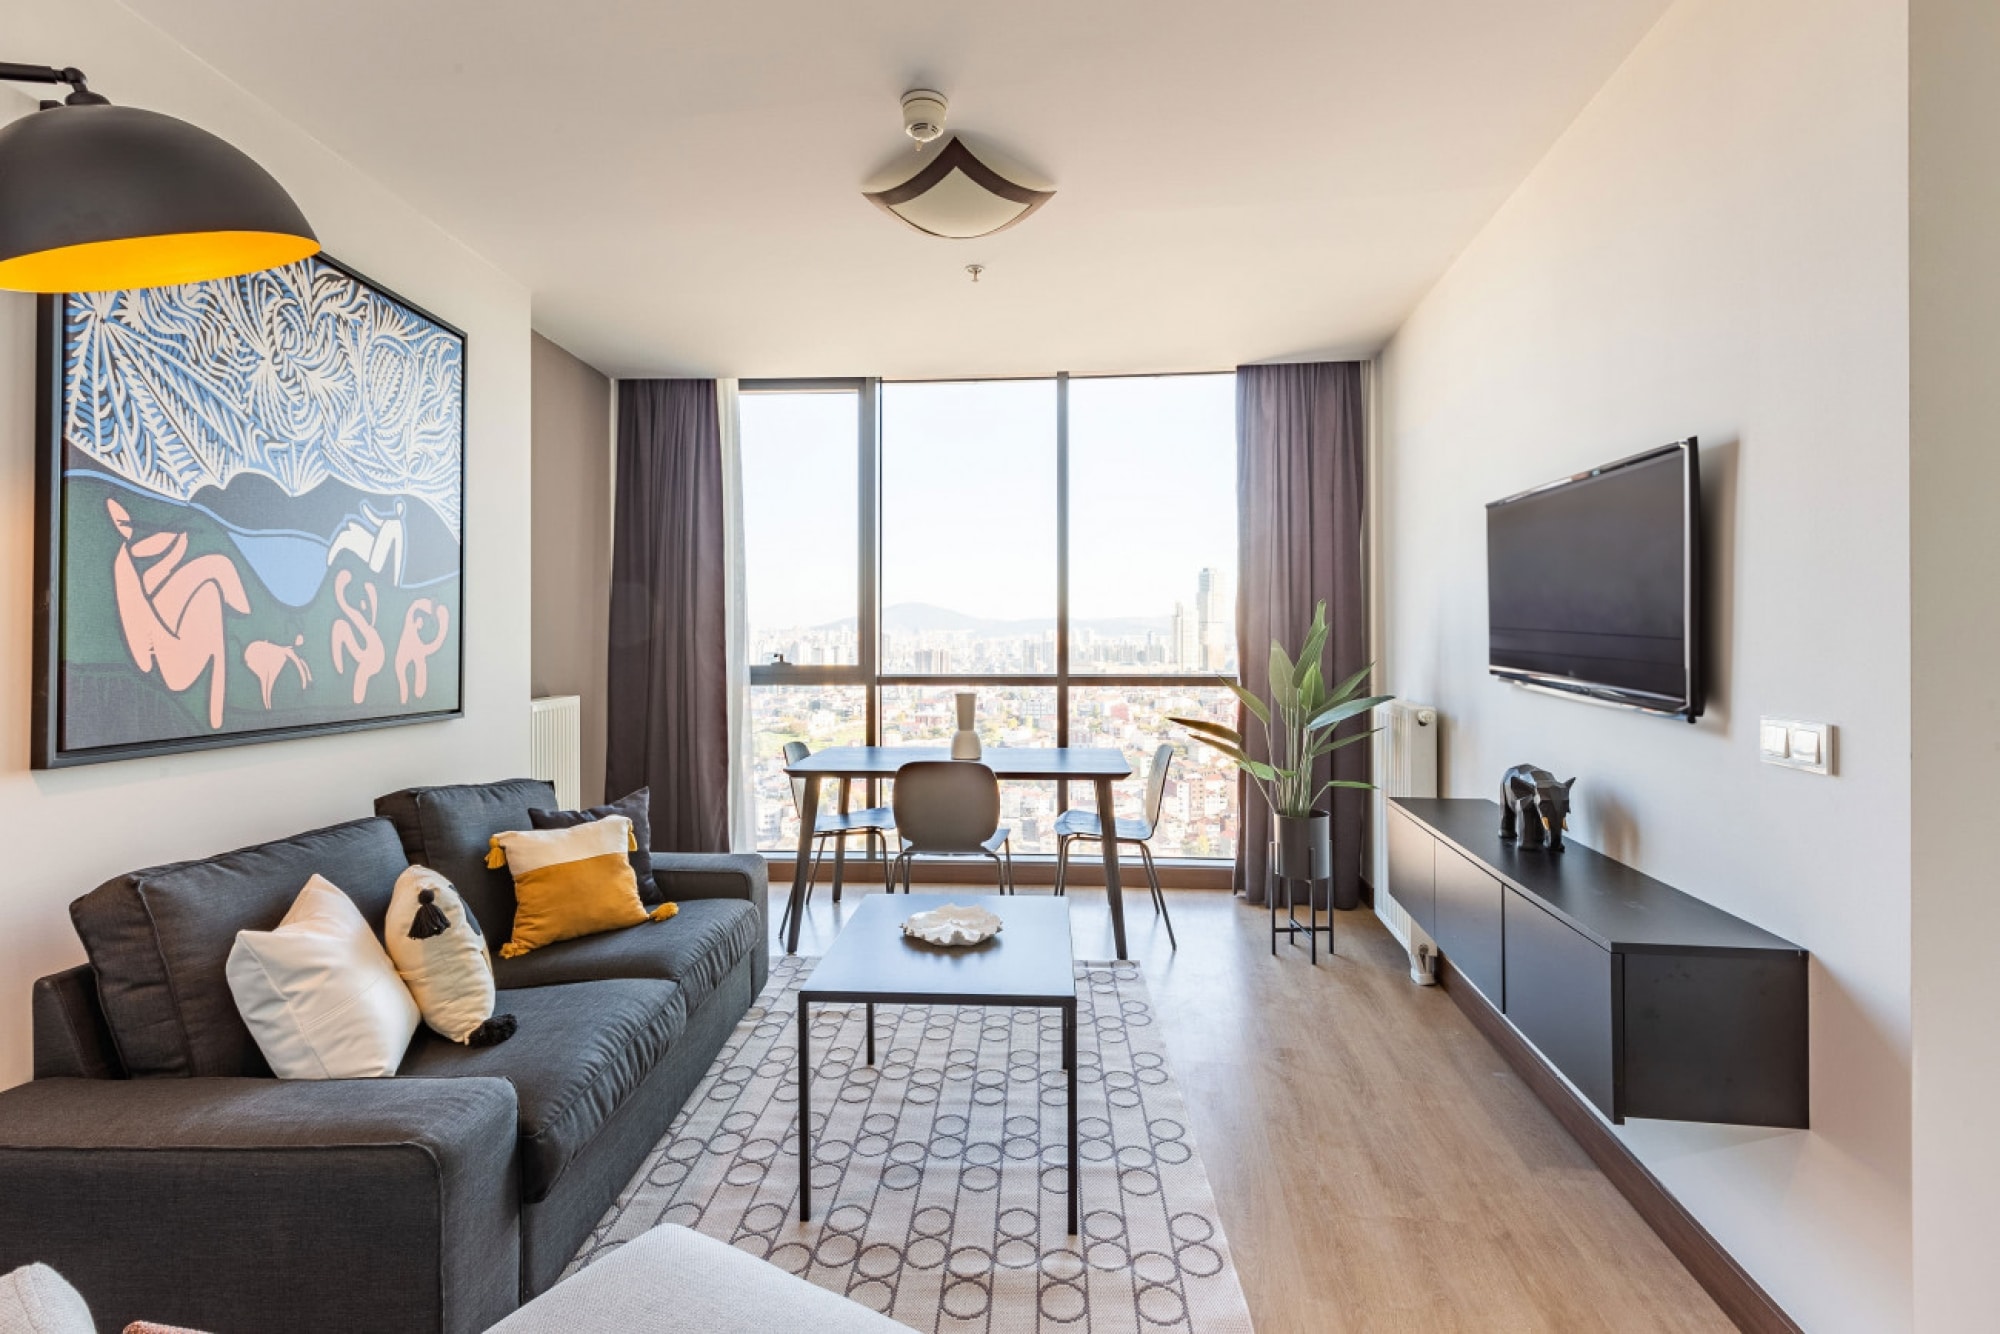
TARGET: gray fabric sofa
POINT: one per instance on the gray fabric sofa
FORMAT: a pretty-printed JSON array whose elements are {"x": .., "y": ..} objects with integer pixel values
[{"x": 155, "y": 1162}]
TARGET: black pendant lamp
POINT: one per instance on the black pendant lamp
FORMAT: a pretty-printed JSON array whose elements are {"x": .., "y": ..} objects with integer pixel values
[{"x": 95, "y": 197}]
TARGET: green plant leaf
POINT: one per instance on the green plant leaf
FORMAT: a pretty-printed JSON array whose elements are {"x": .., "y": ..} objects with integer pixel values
[
  {"x": 1349, "y": 782},
  {"x": 1340, "y": 713},
  {"x": 1332, "y": 746},
  {"x": 1314, "y": 647},
  {"x": 1204, "y": 730},
  {"x": 1284, "y": 695},
  {"x": 1352, "y": 684},
  {"x": 1312, "y": 691},
  {"x": 1258, "y": 709},
  {"x": 1259, "y": 769}
]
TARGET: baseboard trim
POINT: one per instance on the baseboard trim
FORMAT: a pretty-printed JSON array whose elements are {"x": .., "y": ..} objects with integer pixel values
[{"x": 1739, "y": 1295}]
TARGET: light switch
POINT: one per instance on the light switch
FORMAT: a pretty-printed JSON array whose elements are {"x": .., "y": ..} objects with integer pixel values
[{"x": 1796, "y": 745}]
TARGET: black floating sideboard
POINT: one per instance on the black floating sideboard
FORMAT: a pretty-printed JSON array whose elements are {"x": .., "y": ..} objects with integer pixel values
[{"x": 1651, "y": 1002}]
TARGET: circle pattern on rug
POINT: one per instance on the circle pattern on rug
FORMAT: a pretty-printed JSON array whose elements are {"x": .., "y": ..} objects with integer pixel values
[{"x": 940, "y": 1174}]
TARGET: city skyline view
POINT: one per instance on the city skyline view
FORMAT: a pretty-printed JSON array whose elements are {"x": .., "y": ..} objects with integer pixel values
[{"x": 970, "y": 519}]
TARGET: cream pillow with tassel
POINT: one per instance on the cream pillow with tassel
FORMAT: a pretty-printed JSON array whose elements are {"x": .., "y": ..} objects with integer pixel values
[{"x": 440, "y": 953}]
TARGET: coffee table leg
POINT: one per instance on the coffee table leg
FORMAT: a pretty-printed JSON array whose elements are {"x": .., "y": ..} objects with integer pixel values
[
  {"x": 871, "y": 1032},
  {"x": 802, "y": 867},
  {"x": 805, "y": 1116},
  {"x": 1069, "y": 1063},
  {"x": 1107, "y": 817}
]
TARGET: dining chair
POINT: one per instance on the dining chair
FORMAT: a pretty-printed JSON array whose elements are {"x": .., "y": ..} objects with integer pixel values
[
  {"x": 1074, "y": 825},
  {"x": 872, "y": 824},
  {"x": 949, "y": 808}
]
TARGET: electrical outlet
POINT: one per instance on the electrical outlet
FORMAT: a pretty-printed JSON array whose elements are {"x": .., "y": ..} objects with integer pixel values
[{"x": 1792, "y": 744}]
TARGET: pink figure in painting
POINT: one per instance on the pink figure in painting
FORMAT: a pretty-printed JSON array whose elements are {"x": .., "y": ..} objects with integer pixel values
[
  {"x": 172, "y": 613},
  {"x": 267, "y": 662},
  {"x": 413, "y": 651},
  {"x": 356, "y": 637}
]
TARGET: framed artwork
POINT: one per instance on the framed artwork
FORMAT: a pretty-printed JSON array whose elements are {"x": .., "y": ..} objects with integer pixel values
[{"x": 250, "y": 514}]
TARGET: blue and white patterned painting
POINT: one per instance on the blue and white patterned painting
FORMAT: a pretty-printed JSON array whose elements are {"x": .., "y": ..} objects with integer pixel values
[{"x": 258, "y": 513}]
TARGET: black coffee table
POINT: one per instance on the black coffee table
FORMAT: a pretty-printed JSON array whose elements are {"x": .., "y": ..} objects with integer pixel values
[{"x": 1028, "y": 965}]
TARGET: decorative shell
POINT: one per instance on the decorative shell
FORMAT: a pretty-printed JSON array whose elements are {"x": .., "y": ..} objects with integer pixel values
[{"x": 953, "y": 925}]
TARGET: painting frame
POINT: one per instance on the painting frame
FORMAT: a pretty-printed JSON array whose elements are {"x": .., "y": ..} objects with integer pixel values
[{"x": 48, "y": 750}]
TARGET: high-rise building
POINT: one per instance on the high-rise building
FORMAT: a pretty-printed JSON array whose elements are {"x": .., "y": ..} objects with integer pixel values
[
  {"x": 1208, "y": 608},
  {"x": 1186, "y": 640}
]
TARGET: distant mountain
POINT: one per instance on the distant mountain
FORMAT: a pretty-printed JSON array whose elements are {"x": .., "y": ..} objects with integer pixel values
[{"x": 918, "y": 618}]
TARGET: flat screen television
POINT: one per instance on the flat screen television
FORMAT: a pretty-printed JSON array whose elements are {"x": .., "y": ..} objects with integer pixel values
[{"x": 1593, "y": 584}]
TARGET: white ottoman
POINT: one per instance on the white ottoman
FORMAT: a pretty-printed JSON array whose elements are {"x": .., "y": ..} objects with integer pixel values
[{"x": 672, "y": 1280}]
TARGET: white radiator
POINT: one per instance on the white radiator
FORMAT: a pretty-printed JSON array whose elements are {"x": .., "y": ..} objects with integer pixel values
[
  {"x": 555, "y": 745},
  {"x": 1413, "y": 751},
  {"x": 1410, "y": 769}
]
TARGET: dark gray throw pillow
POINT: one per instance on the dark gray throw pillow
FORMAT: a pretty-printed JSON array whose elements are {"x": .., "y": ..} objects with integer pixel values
[{"x": 633, "y": 808}]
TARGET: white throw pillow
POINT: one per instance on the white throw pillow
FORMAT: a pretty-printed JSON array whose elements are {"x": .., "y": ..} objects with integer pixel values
[
  {"x": 35, "y": 1299},
  {"x": 320, "y": 994},
  {"x": 440, "y": 951}
]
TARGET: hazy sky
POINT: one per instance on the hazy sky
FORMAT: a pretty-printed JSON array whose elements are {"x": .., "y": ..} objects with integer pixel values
[{"x": 969, "y": 496}]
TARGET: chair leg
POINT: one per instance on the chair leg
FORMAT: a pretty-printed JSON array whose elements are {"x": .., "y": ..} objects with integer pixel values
[
  {"x": 1159, "y": 896},
  {"x": 1007, "y": 849},
  {"x": 1062, "y": 864}
]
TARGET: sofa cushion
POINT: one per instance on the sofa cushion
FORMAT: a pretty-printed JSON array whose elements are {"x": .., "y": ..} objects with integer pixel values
[
  {"x": 319, "y": 992},
  {"x": 696, "y": 948},
  {"x": 579, "y": 1052},
  {"x": 636, "y": 807},
  {"x": 159, "y": 938},
  {"x": 448, "y": 829}
]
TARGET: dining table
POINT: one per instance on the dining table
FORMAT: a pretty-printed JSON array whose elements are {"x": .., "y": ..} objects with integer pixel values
[{"x": 1098, "y": 766}]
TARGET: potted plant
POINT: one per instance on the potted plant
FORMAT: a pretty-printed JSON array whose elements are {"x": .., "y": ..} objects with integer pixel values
[{"x": 1298, "y": 721}]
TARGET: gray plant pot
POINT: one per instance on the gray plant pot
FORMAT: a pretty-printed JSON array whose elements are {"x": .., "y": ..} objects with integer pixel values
[{"x": 1305, "y": 845}]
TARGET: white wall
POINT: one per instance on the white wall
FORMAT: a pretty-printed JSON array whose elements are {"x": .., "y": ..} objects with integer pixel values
[
  {"x": 1718, "y": 247},
  {"x": 1955, "y": 555},
  {"x": 572, "y": 544},
  {"x": 69, "y": 830}
]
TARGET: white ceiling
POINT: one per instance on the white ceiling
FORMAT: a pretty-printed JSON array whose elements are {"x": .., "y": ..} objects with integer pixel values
[{"x": 678, "y": 183}]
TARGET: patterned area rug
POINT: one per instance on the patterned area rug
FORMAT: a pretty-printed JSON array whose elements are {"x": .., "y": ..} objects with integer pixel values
[{"x": 938, "y": 1181}]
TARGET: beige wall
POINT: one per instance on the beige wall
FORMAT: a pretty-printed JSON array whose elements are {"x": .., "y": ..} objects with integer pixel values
[
  {"x": 70, "y": 829},
  {"x": 572, "y": 542},
  {"x": 1955, "y": 649},
  {"x": 1717, "y": 247}
]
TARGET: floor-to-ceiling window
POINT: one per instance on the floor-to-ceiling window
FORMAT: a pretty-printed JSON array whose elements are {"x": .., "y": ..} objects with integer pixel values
[{"x": 1064, "y": 547}]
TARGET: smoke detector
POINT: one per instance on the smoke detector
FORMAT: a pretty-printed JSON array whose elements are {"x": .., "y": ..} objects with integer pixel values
[{"x": 923, "y": 115}]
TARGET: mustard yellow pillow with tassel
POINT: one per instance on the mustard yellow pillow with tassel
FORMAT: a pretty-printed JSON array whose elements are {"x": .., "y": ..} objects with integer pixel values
[{"x": 571, "y": 882}]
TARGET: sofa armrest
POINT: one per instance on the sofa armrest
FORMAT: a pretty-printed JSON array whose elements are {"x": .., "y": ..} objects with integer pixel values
[
  {"x": 713, "y": 875},
  {"x": 722, "y": 875},
  {"x": 258, "y": 1204}
]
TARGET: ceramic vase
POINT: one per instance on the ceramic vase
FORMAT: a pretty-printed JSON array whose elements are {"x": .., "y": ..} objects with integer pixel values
[{"x": 965, "y": 741}]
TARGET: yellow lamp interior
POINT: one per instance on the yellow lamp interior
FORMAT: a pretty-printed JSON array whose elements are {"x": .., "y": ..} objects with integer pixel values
[{"x": 152, "y": 261}]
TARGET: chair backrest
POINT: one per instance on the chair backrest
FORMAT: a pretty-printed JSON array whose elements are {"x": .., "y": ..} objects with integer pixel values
[
  {"x": 794, "y": 752},
  {"x": 946, "y": 805},
  {"x": 1156, "y": 784}
]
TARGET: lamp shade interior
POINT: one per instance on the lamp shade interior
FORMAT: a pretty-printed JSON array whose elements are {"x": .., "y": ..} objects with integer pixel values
[{"x": 103, "y": 198}]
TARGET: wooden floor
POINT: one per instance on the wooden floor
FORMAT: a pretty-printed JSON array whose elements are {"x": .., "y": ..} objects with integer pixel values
[{"x": 1377, "y": 1165}]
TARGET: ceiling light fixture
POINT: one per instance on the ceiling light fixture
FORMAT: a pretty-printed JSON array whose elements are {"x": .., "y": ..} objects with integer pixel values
[
  {"x": 95, "y": 197},
  {"x": 955, "y": 194}
]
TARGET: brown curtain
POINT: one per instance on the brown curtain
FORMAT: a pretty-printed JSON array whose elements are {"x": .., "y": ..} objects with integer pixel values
[
  {"x": 667, "y": 698},
  {"x": 1299, "y": 454}
]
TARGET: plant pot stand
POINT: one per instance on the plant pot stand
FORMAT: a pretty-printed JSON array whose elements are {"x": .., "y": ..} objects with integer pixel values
[
  {"x": 1291, "y": 926},
  {"x": 1301, "y": 852}
]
